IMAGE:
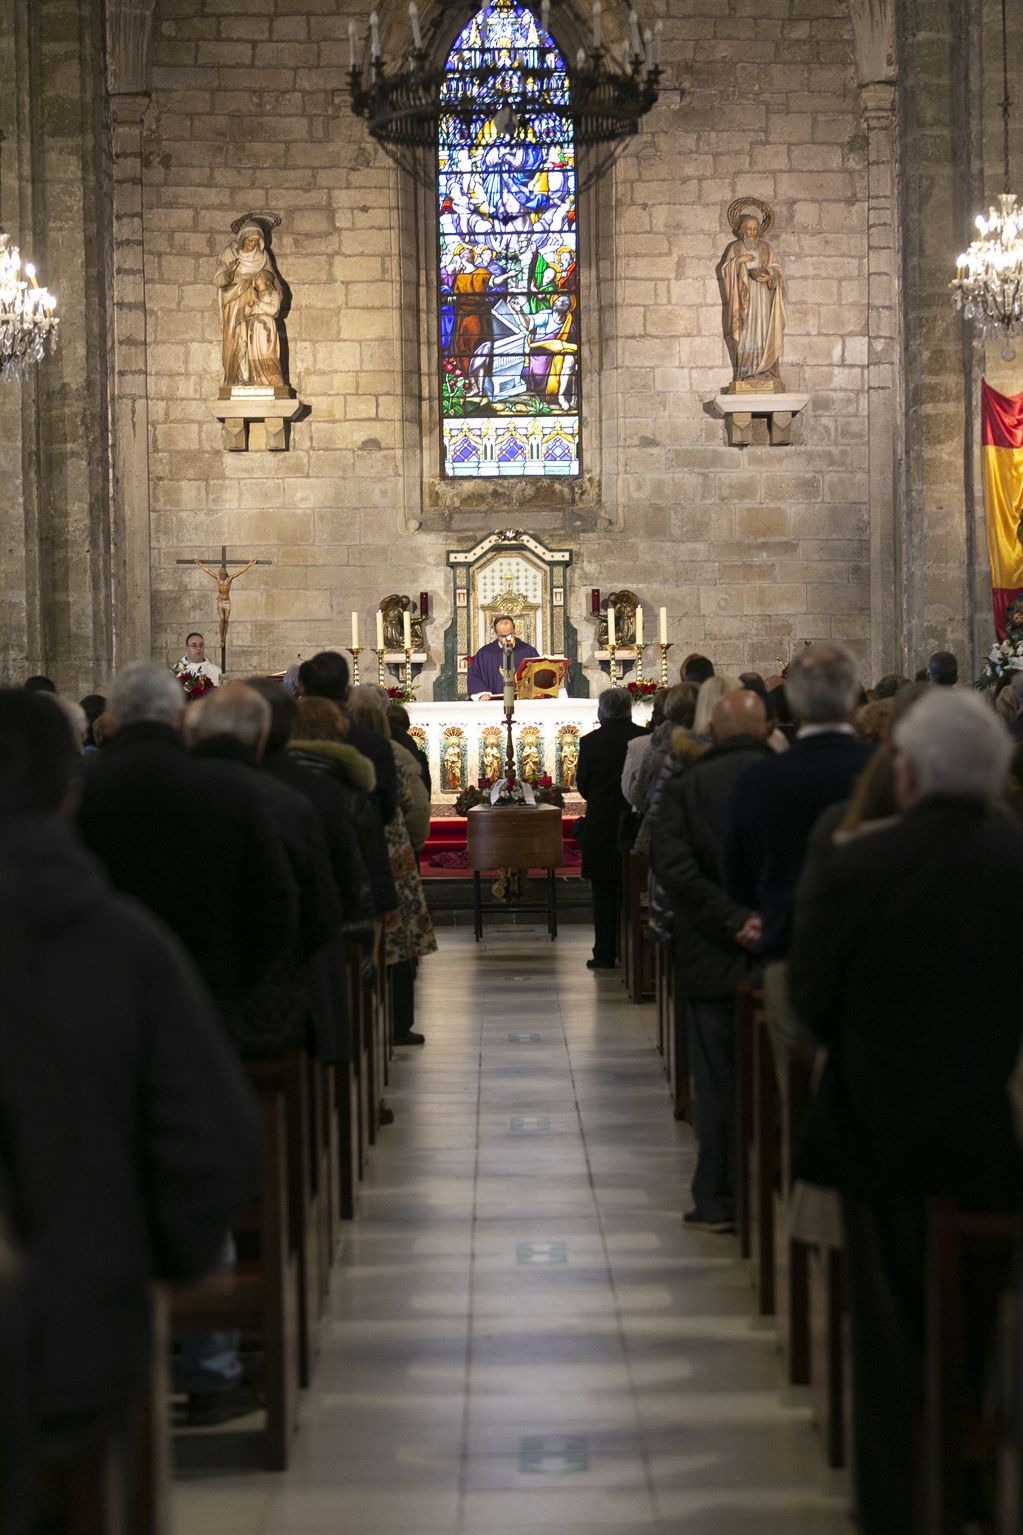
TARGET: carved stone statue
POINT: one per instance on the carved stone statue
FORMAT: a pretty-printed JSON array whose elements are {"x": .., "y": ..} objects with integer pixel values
[
  {"x": 251, "y": 295},
  {"x": 754, "y": 288},
  {"x": 224, "y": 581},
  {"x": 393, "y": 607},
  {"x": 625, "y": 604},
  {"x": 492, "y": 758},
  {"x": 569, "y": 760}
]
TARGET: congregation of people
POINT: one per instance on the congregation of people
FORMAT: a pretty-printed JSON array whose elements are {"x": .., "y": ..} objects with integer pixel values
[
  {"x": 185, "y": 888},
  {"x": 851, "y": 855}
]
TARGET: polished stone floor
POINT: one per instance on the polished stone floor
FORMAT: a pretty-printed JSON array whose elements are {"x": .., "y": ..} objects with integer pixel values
[{"x": 521, "y": 1336}]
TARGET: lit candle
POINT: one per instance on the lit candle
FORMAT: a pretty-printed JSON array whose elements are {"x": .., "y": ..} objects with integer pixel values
[
  {"x": 30, "y": 273},
  {"x": 610, "y": 626},
  {"x": 406, "y": 628},
  {"x": 639, "y": 626},
  {"x": 596, "y": 23},
  {"x": 545, "y": 15},
  {"x": 648, "y": 47},
  {"x": 351, "y": 44},
  {"x": 658, "y": 29},
  {"x": 662, "y": 626},
  {"x": 580, "y": 59},
  {"x": 355, "y": 631},
  {"x": 625, "y": 55},
  {"x": 374, "y": 35},
  {"x": 417, "y": 36},
  {"x": 380, "y": 628}
]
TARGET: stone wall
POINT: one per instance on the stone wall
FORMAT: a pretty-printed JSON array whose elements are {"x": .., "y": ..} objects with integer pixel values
[{"x": 750, "y": 549}]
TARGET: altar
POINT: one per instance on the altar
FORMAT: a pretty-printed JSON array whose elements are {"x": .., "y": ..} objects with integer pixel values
[{"x": 466, "y": 741}]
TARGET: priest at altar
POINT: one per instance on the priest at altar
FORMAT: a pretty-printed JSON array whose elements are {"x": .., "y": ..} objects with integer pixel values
[{"x": 485, "y": 677}]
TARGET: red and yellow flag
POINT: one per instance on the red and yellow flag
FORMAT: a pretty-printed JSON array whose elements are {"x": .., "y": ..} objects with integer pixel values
[{"x": 1002, "y": 439}]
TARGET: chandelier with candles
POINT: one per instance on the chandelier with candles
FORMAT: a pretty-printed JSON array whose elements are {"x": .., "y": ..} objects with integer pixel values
[
  {"x": 602, "y": 102},
  {"x": 28, "y": 323},
  {"x": 988, "y": 285}
]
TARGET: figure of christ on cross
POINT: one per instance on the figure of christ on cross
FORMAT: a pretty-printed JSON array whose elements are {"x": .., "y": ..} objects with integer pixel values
[{"x": 224, "y": 581}]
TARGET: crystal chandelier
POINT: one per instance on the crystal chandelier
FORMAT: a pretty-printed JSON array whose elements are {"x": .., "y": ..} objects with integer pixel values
[
  {"x": 603, "y": 105},
  {"x": 27, "y": 319},
  {"x": 988, "y": 285}
]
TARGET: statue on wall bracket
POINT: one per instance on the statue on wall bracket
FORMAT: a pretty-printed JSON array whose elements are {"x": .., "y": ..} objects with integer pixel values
[
  {"x": 754, "y": 292},
  {"x": 255, "y": 400},
  {"x": 755, "y": 404}
]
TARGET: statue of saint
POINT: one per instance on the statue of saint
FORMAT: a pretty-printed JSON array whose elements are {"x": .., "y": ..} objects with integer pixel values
[
  {"x": 223, "y": 581},
  {"x": 755, "y": 296},
  {"x": 251, "y": 295},
  {"x": 492, "y": 760},
  {"x": 531, "y": 759},
  {"x": 453, "y": 763},
  {"x": 569, "y": 761}
]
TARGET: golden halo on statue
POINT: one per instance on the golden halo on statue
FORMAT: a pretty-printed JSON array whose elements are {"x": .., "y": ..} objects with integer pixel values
[
  {"x": 266, "y": 220},
  {"x": 743, "y": 205}
]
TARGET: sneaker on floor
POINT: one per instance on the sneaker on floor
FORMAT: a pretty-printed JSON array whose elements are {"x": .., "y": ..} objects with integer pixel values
[
  {"x": 411, "y": 1038},
  {"x": 695, "y": 1220}
]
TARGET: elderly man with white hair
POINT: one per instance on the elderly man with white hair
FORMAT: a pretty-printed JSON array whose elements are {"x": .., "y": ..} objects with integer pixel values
[{"x": 890, "y": 969}]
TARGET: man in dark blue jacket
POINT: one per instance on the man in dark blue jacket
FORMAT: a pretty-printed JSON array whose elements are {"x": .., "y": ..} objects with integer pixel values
[{"x": 775, "y": 805}]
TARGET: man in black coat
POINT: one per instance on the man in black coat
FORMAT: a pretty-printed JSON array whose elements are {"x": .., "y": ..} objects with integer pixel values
[
  {"x": 890, "y": 968},
  {"x": 186, "y": 839},
  {"x": 712, "y": 935},
  {"x": 775, "y": 805},
  {"x": 599, "y": 780},
  {"x": 129, "y": 1138},
  {"x": 325, "y": 675}
]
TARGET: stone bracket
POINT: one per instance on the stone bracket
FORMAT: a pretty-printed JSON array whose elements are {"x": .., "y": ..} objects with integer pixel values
[
  {"x": 255, "y": 423},
  {"x": 778, "y": 409}
]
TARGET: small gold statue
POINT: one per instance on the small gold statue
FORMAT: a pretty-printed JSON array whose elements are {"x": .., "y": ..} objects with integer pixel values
[{"x": 569, "y": 760}]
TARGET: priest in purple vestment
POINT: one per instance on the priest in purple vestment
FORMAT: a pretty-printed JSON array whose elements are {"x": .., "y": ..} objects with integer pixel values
[{"x": 486, "y": 673}]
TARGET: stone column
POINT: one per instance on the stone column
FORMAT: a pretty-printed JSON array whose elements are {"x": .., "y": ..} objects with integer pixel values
[
  {"x": 128, "y": 29},
  {"x": 129, "y": 510},
  {"x": 884, "y": 394}
]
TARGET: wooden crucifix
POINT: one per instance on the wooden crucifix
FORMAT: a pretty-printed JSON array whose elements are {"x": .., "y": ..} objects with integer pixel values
[{"x": 224, "y": 580}]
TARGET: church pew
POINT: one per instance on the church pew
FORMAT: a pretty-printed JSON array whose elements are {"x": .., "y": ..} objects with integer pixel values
[
  {"x": 765, "y": 1165},
  {"x": 663, "y": 976},
  {"x": 794, "y": 1254},
  {"x": 747, "y": 1001},
  {"x": 637, "y": 952},
  {"x": 830, "y": 1381},
  {"x": 968, "y": 1269},
  {"x": 260, "y": 1297}
]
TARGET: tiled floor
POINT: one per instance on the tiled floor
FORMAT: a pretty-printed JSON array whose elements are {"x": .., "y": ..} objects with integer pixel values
[{"x": 521, "y": 1335}]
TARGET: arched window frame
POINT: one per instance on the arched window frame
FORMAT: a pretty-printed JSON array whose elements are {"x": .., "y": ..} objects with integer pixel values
[{"x": 430, "y": 501}]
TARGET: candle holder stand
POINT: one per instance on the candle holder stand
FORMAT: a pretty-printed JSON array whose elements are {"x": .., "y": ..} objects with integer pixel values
[
  {"x": 378, "y": 649},
  {"x": 639, "y": 664},
  {"x": 664, "y": 647},
  {"x": 408, "y": 669},
  {"x": 355, "y": 651},
  {"x": 612, "y": 651}
]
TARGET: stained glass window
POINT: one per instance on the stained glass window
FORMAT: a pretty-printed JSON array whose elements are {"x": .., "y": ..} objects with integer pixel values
[{"x": 509, "y": 292}]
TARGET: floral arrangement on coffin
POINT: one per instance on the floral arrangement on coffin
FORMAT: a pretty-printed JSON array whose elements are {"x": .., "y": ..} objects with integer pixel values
[
  {"x": 196, "y": 684},
  {"x": 402, "y": 695},
  {"x": 1005, "y": 655},
  {"x": 642, "y": 689},
  {"x": 509, "y": 791}
]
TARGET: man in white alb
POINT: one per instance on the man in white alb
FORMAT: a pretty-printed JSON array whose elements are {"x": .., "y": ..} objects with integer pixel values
[{"x": 194, "y": 659}]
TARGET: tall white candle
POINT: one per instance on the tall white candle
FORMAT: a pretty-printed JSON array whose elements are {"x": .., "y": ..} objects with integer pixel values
[
  {"x": 662, "y": 626},
  {"x": 406, "y": 628},
  {"x": 596, "y": 23},
  {"x": 374, "y": 35},
  {"x": 545, "y": 15},
  {"x": 351, "y": 44},
  {"x": 639, "y": 626},
  {"x": 611, "y": 626},
  {"x": 634, "y": 32},
  {"x": 380, "y": 628},
  {"x": 413, "y": 16},
  {"x": 355, "y": 631}
]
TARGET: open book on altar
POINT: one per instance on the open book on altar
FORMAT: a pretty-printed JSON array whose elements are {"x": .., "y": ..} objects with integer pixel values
[{"x": 541, "y": 677}]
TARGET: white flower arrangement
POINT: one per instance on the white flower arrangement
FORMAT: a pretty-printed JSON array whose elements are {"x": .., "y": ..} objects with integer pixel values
[{"x": 1003, "y": 657}]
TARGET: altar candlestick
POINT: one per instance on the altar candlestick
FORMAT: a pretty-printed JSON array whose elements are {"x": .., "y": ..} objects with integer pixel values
[
  {"x": 380, "y": 628},
  {"x": 406, "y": 628},
  {"x": 611, "y": 627},
  {"x": 355, "y": 631},
  {"x": 639, "y": 627},
  {"x": 662, "y": 627}
]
